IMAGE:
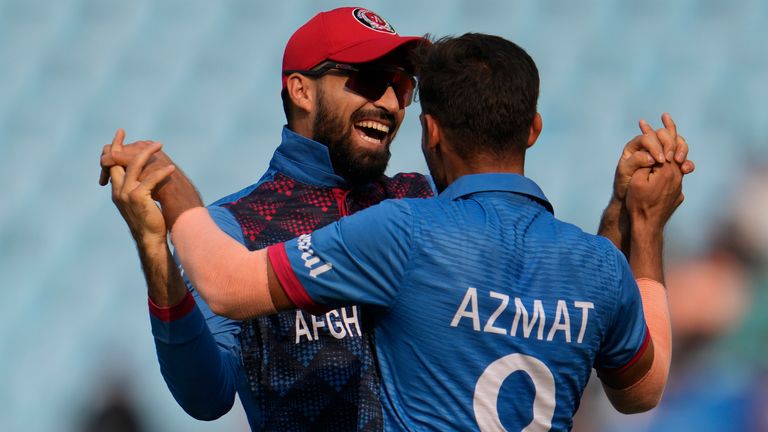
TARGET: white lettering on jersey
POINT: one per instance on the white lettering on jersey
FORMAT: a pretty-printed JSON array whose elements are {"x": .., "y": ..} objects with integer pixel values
[
  {"x": 538, "y": 315},
  {"x": 304, "y": 244},
  {"x": 585, "y": 307},
  {"x": 302, "y": 329},
  {"x": 317, "y": 322},
  {"x": 536, "y": 319},
  {"x": 469, "y": 297},
  {"x": 565, "y": 326},
  {"x": 351, "y": 321},
  {"x": 488, "y": 387},
  {"x": 489, "y": 327},
  {"x": 332, "y": 318},
  {"x": 335, "y": 322}
]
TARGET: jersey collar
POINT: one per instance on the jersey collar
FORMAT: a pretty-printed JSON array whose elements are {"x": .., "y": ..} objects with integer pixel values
[
  {"x": 495, "y": 182},
  {"x": 305, "y": 160}
]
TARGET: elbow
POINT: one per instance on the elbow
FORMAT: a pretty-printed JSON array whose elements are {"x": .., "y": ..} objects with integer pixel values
[
  {"x": 226, "y": 308},
  {"x": 208, "y": 410},
  {"x": 643, "y": 396},
  {"x": 224, "y": 304},
  {"x": 216, "y": 297},
  {"x": 640, "y": 405},
  {"x": 205, "y": 404},
  {"x": 206, "y": 414}
]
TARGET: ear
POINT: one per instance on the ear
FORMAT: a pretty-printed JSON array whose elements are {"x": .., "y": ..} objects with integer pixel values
[
  {"x": 536, "y": 127},
  {"x": 301, "y": 90},
  {"x": 432, "y": 132}
]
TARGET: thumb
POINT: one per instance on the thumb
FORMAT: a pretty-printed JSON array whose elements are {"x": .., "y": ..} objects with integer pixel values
[{"x": 639, "y": 159}]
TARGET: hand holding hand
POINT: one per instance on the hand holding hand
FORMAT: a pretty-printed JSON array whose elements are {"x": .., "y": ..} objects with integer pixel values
[
  {"x": 133, "y": 197},
  {"x": 111, "y": 156},
  {"x": 642, "y": 152},
  {"x": 654, "y": 194},
  {"x": 649, "y": 148}
]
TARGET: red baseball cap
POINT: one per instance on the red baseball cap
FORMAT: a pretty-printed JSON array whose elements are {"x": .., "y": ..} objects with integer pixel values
[{"x": 346, "y": 35}]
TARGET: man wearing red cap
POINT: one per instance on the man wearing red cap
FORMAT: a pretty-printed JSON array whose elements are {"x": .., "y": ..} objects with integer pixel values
[
  {"x": 345, "y": 84},
  {"x": 346, "y": 81}
]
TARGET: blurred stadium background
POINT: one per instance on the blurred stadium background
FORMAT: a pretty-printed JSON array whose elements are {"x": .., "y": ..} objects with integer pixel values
[{"x": 203, "y": 78}]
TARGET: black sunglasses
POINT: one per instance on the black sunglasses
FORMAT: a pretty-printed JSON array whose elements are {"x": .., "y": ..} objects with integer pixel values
[{"x": 369, "y": 82}]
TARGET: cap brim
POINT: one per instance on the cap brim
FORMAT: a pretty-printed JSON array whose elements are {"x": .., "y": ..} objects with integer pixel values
[{"x": 374, "y": 49}]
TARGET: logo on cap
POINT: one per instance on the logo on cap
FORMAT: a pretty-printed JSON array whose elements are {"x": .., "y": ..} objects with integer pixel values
[{"x": 372, "y": 21}]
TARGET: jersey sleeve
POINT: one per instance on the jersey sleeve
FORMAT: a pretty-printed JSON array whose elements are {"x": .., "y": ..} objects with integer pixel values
[
  {"x": 360, "y": 259},
  {"x": 197, "y": 350},
  {"x": 627, "y": 334}
]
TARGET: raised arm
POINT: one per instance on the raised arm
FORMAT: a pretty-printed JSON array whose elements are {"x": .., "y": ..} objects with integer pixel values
[
  {"x": 147, "y": 226},
  {"x": 229, "y": 277},
  {"x": 643, "y": 151},
  {"x": 653, "y": 195},
  {"x": 195, "y": 351}
]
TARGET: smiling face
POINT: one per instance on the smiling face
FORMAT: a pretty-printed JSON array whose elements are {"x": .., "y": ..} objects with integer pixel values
[{"x": 357, "y": 131}]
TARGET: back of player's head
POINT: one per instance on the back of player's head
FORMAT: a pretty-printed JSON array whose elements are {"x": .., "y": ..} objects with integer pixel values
[{"x": 482, "y": 89}]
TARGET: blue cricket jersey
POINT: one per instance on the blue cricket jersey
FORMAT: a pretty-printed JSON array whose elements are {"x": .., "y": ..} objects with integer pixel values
[
  {"x": 489, "y": 312},
  {"x": 287, "y": 378}
]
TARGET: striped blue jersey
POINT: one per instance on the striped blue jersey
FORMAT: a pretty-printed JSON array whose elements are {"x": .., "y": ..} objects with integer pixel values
[
  {"x": 488, "y": 311},
  {"x": 292, "y": 371}
]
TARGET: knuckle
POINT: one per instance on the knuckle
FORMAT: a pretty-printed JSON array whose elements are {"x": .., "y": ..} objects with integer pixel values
[
  {"x": 135, "y": 195},
  {"x": 649, "y": 141},
  {"x": 664, "y": 134},
  {"x": 631, "y": 144}
]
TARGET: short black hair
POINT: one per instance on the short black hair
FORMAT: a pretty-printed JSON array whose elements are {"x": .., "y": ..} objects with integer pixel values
[{"x": 483, "y": 91}]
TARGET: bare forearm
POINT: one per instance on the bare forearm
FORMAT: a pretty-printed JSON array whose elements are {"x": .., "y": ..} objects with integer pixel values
[
  {"x": 177, "y": 195},
  {"x": 646, "y": 255},
  {"x": 233, "y": 281},
  {"x": 164, "y": 283},
  {"x": 614, "y": 225}
]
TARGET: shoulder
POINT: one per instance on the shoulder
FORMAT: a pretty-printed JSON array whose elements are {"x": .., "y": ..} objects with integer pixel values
[
  {"x": 595, "y": 252},
  {"x": 576, "y": 234},
  {"x": 244, "y": 192},
  {"x": 221, "y": 209},
  {"x": 410, "y": 185},
  {"x": 388, "y": 212}
]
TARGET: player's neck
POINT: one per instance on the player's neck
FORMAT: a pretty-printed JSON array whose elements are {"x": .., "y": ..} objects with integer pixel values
[{"x": 457, "y": 167}]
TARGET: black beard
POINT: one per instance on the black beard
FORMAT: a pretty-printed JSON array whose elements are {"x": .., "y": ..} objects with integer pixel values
[{"x": 358, "y": 166}]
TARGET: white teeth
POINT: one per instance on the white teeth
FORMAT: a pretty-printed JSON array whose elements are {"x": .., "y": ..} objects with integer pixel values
[
  {"x": 373, "y": 125},
  {"x": 370, "y": 139}
]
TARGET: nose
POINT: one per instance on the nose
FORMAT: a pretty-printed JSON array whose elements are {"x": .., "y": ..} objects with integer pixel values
[{"x": 388, "y": 101}]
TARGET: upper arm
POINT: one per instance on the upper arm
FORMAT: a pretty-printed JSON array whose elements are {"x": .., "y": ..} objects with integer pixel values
[
  {"x": 627, "y": 350},
  {"x": 360, "y": 259},
  {"x": 645, "y": 393}
]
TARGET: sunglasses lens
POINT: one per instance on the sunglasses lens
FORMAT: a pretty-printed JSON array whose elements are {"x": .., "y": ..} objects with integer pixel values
[
  {"x": 373, "y": 84},
  {"x": 404, "y": 85},
  {"x": 368, "y": 84}
]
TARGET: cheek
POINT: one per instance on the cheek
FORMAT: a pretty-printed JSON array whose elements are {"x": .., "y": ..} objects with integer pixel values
[{"x": 399, "y": 118}]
